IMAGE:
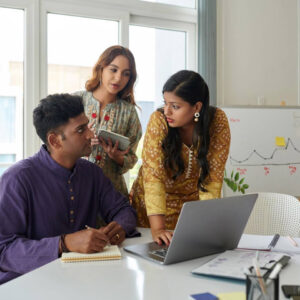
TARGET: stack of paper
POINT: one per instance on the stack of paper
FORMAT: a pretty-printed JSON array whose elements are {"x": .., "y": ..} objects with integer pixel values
[
  {"x": 234, "y": 263},
  {"x": 108, "y": 253}
]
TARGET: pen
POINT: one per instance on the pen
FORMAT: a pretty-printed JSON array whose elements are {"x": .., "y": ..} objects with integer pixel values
[
  {"x": 284, "y": 260},
  {"x": 258, "y": 274},
  {"x": 275, "y": 271},
  {"x": 278, "y": 266},
  {"x": 88, "y": 227},
  {"x": 293, "y": 242},
  {"x": 274, "y": 241}
]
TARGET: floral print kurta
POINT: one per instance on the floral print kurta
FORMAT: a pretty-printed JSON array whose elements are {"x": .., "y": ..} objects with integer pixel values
[
  {"x": 119, "y": 117},
  {"x": 155, "y": 193}
]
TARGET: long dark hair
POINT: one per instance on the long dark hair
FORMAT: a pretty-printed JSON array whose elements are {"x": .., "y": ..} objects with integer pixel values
[{"x": 192, "y": 88}]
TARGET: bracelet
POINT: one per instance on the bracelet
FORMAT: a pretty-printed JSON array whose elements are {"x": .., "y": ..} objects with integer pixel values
[{"x": 64, "y": 248}]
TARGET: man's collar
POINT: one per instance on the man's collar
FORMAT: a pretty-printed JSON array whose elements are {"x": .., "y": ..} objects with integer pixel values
[{"x": 46, "y": 159}]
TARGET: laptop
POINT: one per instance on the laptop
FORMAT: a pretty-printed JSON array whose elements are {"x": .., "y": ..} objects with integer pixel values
[{"x": 203, "y": 228}]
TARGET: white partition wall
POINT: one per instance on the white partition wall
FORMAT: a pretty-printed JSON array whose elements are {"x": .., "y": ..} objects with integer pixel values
[{"x": 258, "y": 52}]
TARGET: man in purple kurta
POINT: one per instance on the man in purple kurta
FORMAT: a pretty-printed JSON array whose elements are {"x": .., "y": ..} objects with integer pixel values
[{"x": 48, "y": 200}]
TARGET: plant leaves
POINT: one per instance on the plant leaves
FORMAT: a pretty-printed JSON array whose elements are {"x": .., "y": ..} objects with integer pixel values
[
  {"x": 242, "y": 180},
  {"x": 234, "y": 187},
  {"x": 227, "y": 180},
  {"x": 245, "y": 186},
  {"x": 237, "y": 176}
]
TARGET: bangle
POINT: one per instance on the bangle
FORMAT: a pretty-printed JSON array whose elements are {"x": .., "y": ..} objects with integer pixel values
[{"x": 64, "y": 248}]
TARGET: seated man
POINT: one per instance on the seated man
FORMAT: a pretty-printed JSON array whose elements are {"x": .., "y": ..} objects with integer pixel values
[{"x": 48, "y": 200}]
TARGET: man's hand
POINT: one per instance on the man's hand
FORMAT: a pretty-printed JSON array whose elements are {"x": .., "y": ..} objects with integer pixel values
[
  {"x": 86, "y": 241},
  {"x": 114, "y": 232}
]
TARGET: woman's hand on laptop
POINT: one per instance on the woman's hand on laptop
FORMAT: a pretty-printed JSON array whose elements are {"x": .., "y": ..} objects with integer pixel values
[
  {"x": 159, "y": 234},
  {"x": 162, "y": 236}
]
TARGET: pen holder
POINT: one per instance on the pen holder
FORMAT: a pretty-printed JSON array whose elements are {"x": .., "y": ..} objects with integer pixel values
[{"x": 259, "y": 288}]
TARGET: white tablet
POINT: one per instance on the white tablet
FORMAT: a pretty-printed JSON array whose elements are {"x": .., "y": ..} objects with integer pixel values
[{"x": 114, "y": 137}]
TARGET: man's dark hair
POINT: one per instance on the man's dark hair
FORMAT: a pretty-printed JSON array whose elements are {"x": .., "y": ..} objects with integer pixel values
[{"x": 55, "y": 111}]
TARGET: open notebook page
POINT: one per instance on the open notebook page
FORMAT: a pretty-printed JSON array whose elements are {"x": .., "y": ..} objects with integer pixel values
[
  {"x": 261, "y": 242},
  {"x": 108, "y": 253}
]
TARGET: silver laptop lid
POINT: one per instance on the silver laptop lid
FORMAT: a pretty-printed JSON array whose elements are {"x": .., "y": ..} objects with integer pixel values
[
  {"x": 208, "y": 227},
  {"x": 203, "y": 228}
]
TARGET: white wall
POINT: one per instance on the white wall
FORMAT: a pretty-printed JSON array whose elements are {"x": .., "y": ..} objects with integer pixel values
[{"x": 257, "y": 52}]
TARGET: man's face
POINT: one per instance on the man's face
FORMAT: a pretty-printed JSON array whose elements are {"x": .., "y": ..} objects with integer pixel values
[{"x": 75, "y": 137}]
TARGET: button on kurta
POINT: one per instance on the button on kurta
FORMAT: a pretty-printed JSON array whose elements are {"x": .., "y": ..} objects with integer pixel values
[
  {"x": 72, "y": 221},
  {"x": 72, "y": 197},
  {"x": 71, "y": 212}
]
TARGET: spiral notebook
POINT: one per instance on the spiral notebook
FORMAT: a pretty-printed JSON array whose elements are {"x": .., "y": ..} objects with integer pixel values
[{"x": 108, "y": 253}]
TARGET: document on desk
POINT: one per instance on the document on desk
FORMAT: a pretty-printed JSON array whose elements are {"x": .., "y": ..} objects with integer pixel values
[
  {"x": 262, "y": 242},
  {"x": 234, "y": 263}
]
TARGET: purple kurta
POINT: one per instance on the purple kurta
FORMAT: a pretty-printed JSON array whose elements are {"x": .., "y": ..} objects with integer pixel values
[{"x": 40, "y": 200}]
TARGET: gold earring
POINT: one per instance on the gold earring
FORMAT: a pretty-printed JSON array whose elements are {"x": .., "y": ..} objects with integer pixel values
[{"x": 196, "y": 117}]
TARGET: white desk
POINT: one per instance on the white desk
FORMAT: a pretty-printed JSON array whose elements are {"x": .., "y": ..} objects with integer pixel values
[{"x": 130, "y": 278}]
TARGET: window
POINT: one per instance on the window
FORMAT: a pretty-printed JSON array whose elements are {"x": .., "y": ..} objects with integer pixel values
[
  {"x": 183, "y": 3},
  {"x": 11, "y": 86},
  {"x": 56, "y": 43},
  {"x": 156, "y": 61},
  {"x": 74, "y": 46}
]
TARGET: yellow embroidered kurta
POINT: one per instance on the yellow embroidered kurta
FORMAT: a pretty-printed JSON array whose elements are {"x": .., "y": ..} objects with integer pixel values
[{"x": 154, "y": 192}]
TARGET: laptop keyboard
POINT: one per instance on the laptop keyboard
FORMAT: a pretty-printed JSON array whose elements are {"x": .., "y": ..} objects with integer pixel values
[{"x": 160, "y": 252}]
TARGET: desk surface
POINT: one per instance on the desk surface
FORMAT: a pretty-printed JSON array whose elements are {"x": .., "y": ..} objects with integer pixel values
[{"x": 130, "y": 278}]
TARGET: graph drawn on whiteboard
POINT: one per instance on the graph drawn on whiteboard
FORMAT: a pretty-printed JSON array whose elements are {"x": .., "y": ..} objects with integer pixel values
[
  {"x": 265, "y": 149},
  {"x": 278, "y": 157}
]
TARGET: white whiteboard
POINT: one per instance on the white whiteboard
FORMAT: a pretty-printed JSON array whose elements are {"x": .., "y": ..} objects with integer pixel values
[{"x": 255, "y": 154}]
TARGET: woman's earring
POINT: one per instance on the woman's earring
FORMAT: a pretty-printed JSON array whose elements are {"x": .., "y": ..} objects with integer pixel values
[{"x": 196, "y": 116}]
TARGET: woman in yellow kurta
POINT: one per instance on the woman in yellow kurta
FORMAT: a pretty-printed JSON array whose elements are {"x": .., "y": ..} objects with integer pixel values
[{"x": 185, "y": 149}]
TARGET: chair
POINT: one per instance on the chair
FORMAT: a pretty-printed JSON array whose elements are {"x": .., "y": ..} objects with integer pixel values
[{"x": 275, "y": 213}]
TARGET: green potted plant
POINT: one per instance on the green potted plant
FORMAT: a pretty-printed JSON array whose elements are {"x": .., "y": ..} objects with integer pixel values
[{"x": 235, "y": 183}]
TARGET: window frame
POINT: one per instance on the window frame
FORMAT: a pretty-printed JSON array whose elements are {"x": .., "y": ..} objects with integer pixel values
[
  {"x": 129, "y": 12},
  {"x": 30, "y": 70},
  {"x": 12, "y": 92},
  {"x": 189, "y": 28}
]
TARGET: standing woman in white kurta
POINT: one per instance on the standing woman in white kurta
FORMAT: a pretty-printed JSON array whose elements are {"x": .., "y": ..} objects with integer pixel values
[{"x": 109, "y": 103}]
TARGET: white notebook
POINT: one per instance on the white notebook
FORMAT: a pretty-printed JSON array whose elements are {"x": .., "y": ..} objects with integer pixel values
[
  {"x": 108, "y": 253},
  {"x": 261, "y": 242}
]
